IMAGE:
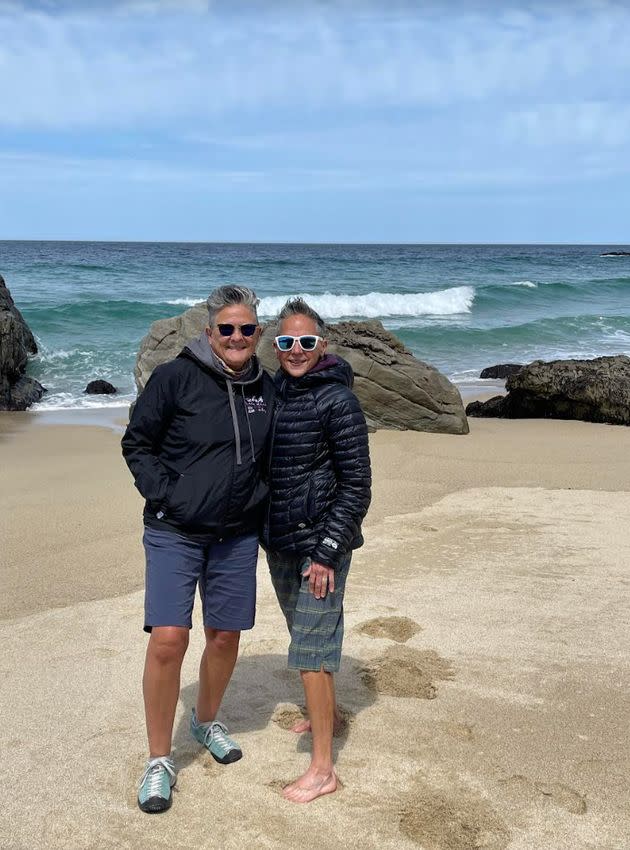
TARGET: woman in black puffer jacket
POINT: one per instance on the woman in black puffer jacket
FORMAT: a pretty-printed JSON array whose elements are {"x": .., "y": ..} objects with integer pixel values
[{"x": 320, "y": 491}]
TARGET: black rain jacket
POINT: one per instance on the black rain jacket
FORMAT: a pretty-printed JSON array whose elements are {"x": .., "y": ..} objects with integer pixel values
[
  {"x": 195, "y": 446},
  {"x": 320, "y": 474}
]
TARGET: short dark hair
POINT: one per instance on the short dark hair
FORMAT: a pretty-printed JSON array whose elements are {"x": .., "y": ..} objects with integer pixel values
[
  {"x": 298, "y": 307},
  {"x": 226, "y": 296}
]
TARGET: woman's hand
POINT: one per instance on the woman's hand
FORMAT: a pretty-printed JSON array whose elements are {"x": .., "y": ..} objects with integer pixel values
[{"x": 321, "y": 579}]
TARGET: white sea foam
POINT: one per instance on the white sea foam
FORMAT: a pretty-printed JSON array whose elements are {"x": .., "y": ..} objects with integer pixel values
[
  {"x": 375, "y": 305},
  {"x": 69, "y": 401},
  {"x": 50, "y": 355},
  {"x": 528, "y": 284},
  {"x": 616, "y": 338},
  {"x": 185, "y": 302}
]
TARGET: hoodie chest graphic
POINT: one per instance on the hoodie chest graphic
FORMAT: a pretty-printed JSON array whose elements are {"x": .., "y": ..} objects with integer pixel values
[{"x": 255, "y": 404}]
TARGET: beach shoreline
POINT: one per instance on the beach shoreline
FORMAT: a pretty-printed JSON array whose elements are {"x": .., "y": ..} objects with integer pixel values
[
  {"x": 111, "y": 415},
  {"x": 506, "y": 550},
  {"x": 114, "y": 418}
]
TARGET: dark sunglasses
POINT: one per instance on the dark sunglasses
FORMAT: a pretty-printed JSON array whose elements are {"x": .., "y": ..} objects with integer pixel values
[
  {"x": 228, "y": 330},
  {"x": 308, "y": 342}
]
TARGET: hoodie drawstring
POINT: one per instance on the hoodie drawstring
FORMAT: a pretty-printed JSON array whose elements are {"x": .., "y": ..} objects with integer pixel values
[
  {"x": 249, "y": 427},
  {"x": 237, "y": 431}
]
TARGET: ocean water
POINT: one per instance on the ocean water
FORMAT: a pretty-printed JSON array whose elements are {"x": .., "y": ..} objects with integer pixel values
[{"x": 459, "y": 307}]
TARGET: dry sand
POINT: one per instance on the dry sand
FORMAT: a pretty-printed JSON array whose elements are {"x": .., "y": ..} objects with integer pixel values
[{"x": 486, "y": 675}]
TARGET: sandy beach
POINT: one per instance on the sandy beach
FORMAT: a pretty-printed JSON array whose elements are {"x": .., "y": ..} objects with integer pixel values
[{"x": 486, "y": 671}]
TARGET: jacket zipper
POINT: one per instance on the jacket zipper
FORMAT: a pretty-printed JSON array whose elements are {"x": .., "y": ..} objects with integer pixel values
[{"x": 274, "y": 422}]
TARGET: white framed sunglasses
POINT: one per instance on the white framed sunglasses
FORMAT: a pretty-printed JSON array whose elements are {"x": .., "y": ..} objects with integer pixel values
[{"x": 286, "y": 342}]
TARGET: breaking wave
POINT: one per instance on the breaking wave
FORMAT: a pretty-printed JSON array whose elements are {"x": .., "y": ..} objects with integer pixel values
[{"x": 375, "y": 305}]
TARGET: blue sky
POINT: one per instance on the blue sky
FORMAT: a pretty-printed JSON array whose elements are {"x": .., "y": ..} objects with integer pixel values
[{"x": 329, "y": 121}]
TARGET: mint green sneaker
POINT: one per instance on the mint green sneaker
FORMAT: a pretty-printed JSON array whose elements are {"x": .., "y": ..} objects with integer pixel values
[
  {"x": 214, "y": 736},
  {"x": 154, "y": 791}
]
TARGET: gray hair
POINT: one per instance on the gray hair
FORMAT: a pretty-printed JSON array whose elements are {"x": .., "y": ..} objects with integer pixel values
[
  {"x": 299, "y": 307},
  {"x": 228, "y": 296}
]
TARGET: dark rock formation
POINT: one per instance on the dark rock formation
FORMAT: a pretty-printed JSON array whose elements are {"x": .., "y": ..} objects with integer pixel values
[
  {"x": 17, "y": 391},
  {"x": 501, "y": 370},
  {"x": 8, "y": 305},
  {"x": 494, "y": 406},
  {"x": 24, "y": 392},
  {"x": 592, "y": 390},
  {"x": 395, "y": 389},
  {"x": 100, "y": 387}
]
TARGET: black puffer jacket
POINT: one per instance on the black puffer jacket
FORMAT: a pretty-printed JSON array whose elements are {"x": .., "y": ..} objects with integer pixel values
[
  {"x": 320, "y": 464},
  {"x": 196, "y": 446}
]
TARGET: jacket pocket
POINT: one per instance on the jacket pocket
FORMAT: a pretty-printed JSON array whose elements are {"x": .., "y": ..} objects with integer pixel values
[
  {"x": 176, "y": 500},
  {"x": 318, "y": 499},
  {"x": 311, "y": 500}
]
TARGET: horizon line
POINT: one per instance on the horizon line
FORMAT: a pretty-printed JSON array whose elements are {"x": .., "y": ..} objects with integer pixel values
[{"x": 311, "y": 244}]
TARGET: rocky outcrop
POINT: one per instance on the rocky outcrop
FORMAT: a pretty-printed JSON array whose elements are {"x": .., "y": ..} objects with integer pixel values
[
  {"x": 24, "y": 392},
  {"x": 165, "y": 340},
  {"x": 592, "y": 390},
  {"x": 395, "y": 389},
  {"x": 501, "y": 370},
  {"x": 493, "y": 407},
  {"x": 17, "y": 391},
  {"x": 100, "y": 387}
]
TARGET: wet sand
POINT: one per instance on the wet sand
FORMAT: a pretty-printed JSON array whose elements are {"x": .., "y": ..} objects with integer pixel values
[{"x": 486, "y": 678}]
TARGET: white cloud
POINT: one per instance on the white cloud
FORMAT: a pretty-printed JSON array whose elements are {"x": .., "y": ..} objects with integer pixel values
[
  {"x": 154, "y": 63},
  {"x": 155, "y": 7},
  {"x": 605, "y": 123}
]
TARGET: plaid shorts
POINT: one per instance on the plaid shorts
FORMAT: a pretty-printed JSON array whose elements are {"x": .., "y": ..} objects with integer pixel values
[{"x": 315, "y": 625}]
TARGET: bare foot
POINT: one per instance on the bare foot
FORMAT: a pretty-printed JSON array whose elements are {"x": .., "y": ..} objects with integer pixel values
[
  {"x": 304, "y": 725},
  {"x": 310, "y": 786}
]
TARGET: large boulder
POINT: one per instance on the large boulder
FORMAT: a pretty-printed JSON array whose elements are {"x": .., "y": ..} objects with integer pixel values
[
  {"x": 395, "y": 389},
  {"x": 593, "y": 390},
  {"x": 7, "y": 305},
  {"x": 17, "y": 392}
]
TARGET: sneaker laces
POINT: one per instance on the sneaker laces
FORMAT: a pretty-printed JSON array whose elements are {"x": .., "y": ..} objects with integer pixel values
[
  {"x": 153, "y": 774},
  {"x": 218, "y": 732}
]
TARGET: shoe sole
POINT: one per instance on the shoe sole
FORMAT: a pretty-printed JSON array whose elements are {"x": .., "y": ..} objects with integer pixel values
[
  {"x": 230, "y": 758},
  {"x": 155, "y": 805}
]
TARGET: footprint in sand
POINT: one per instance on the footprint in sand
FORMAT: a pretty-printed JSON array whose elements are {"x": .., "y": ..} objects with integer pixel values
[
  {"x": 563, "y": 796},
  {"x": 555, "y": 792},
  {"x": 452, "y": 820},
  {"x": 106, "y": 652},
  {"x": 463, "y": 731},
  {"x": 287, "y": 714},
  {"x": 404, "y": 672},
  {"x": 400, "y": 629}
]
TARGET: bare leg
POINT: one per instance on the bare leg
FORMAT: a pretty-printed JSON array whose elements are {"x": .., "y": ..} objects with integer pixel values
[
  {"x": 304, "y": 725},
  {"x": 320, "y": 778},
  {"x": 215, "y": 670},
  {"x": 160, "y": 685}
]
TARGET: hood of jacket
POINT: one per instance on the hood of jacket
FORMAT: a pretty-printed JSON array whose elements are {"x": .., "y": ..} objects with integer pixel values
[{"x": 199, "y": 349}]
